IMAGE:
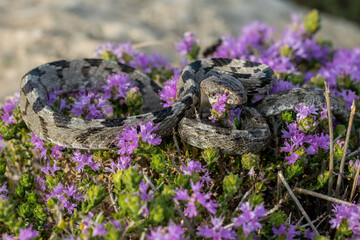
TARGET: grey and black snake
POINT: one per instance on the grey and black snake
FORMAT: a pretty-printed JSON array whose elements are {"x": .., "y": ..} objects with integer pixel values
[{"x": 81, "y": 74}]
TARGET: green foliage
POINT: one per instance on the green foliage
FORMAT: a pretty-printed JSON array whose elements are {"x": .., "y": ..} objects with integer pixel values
[
  {"x": 94, "y": 196},
  {"x": 231, "y": 185},
  {"x": 128, "y": 179},
  {"x": 294, "y": 170},
  {"x": 339, "y": 129},
  {"x": 312, "y": 22},
  {"x": 211, "y": 156},
  {"x": 249, "y": 161},
  {"x": 286, "y": 51},
  {"x": 287, "y": 117},
  {"x": 277, "y": 218},
  {"x": 8, "y": 216},
  {"x": 27, "y": 181},
  {"x": 2, "y": 166},
  {"x": 134, "y": 102},
  {"x": 322, "y": 180},
  {"x": 194, "y": 53},
  {"x": 318, "y": 81},
  {"x": 256, "y": 199},
  {"x": 293, "y": 78},
  {"x": 158, "y": 162}
]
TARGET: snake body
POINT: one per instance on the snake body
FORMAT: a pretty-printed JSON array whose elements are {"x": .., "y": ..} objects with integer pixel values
[{"x": 82, "y": 74}]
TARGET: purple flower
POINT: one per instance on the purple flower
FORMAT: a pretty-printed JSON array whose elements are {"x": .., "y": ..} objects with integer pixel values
[
  {"x": 182, "y": 194},
  {"x": 41, "y": 182},
  {"x": 168, "y": 93},
  {"x": 218, "y": 107},
  {"x": 84, "y": 160},
  {"x": 290, "y": 233},
  {"x": 7, "y": 237},
  {"x": 304, "y": 111},
  {"x": 192, "y": 167},
  {"x": 27, "y": 233},
  {"x": 3, "y": 191},
  {"x": 56, "y": 151},
  {"x": 345, "y": 63},
  {"x": 279, "y": 231},
  {"x": 349, "y": 96},
  {"x": 99, "y": 230},
  {"x": 186, "y": 44},
  {"x": 234, "y": 116},
  {"x": 249, "y": 219},
  {"x": 170, "y": 232},
  {"x": 142, "y": 62},
  {"x": 123, "y": 51},
  {"x": 50, "y": 169},
  {"x": 282, "y": 85},
  {"x": 309, "y": 234},
  {"x": 6, "y": 110},
  {"x": 52, "y": 96},
  {"x": 143, "y": 190},
  {"x": 147, "y": 135},
  {"x": 254, "y": 37},
  {"x": 127, "y": 140},
  {"x": 158, "y": 61},
  {"x": 216, "y": 231},
  {"x": 65, "y": 195},
  {"x": 123, "y": 163},
  {"x": 39, "y": 145},
  {"x": 288, "y": 147},
  {"x": 349, "y": 214},
  {"x": 292, "y": 158},
  {"x": 204, "y": 199}
]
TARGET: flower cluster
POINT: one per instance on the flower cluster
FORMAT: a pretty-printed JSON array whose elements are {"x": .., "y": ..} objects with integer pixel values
[
  {"x": 83, "y": 160},
  {"x": 168, "y": 93},
  {"x": 39, "y": 145},
  {"x": 65, "y": 195},
  {"x": 220, "y": 111},
  {"x": 196, "y": 196},
  {"x": 172, "y": 231},
  {"x": 125, "y": 53},
  {"x": 249, "y": 219},
  {"x": 300, "y": 137},
  {"x": 6, "y": 110},
  {"x": 347, "y": 216}
]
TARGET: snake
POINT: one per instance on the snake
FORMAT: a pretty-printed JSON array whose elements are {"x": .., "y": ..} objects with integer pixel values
[{"x": 238, "y": 78}]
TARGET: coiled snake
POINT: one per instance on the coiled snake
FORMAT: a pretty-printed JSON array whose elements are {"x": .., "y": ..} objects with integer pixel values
[{"x": 81, "y": 74}]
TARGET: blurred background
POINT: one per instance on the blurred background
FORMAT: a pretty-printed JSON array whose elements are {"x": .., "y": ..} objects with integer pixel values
[{"x": 34, "y": 32}]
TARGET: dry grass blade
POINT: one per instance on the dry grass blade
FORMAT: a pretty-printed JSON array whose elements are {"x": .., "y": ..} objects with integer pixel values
[
  {"x": 342, "y": 164},
  {"x": 355, "y": 183},
  {"x": 322, "y": 196},
  {"x": 331, "y": 160},
  {"x": 298, "y": 204}
]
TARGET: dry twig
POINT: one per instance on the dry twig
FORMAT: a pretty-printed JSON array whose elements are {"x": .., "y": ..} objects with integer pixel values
[
  {"x": 298, "y": 204},
  {"x": 322, "y": 196},
  {"x": 331, "y": 162},
  {"x": 355, "y": 183},
  {"x": 342, "y": 164}
]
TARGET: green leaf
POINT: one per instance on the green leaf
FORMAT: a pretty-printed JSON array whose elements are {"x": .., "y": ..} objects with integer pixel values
[{"x": 312, "y": 22}]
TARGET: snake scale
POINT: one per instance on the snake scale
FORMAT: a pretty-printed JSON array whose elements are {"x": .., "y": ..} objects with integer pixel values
[{"x": 90, "y": 74}]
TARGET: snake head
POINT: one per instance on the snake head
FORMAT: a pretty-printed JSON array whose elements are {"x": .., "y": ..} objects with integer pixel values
[{"x": 220, "y": 84}]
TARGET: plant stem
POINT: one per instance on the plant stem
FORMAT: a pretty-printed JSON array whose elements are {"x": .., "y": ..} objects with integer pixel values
[
  {"x": 342, "y": 164},
  {"x": 331, "y": 160},
  {"x": 302, "y": 210},
  {"x": 322, "y": 196},
  {"x": 355, "y": 183}
]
